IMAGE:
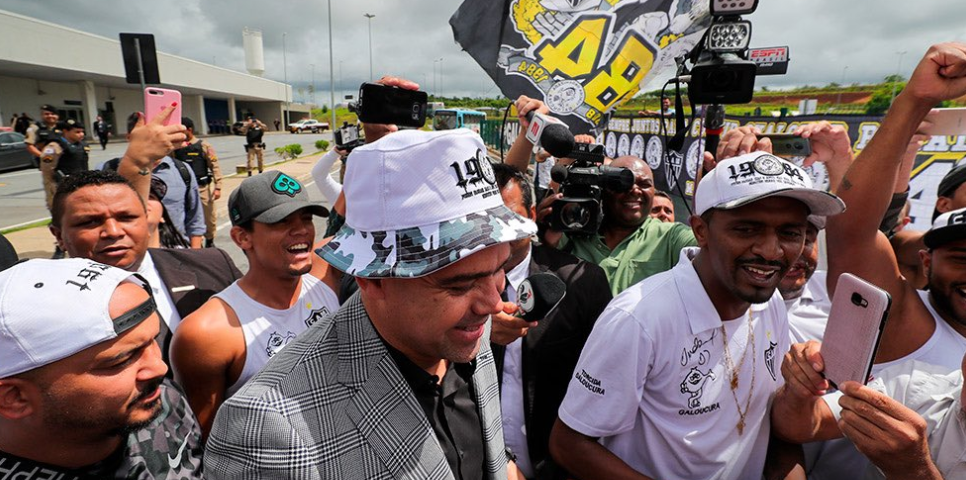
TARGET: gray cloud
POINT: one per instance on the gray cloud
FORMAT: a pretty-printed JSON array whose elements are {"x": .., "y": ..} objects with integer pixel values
[{"x": 825, "y": 36}]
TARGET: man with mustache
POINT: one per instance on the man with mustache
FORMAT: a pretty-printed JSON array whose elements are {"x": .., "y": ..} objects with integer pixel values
[
  {"x": 677, "y": 376},
  {"x": 81, "y": 378},
  {"x": 223, "y": 344},
  {"x": 401, "y": 382},
  {"x": 926, "y": 326}
]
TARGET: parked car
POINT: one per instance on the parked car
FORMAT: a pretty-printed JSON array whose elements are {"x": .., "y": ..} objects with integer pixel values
[
  {"x": 309, "y": 124},
  {"x": 236, "y": 128},
  {"x": 13, "y": 152}
]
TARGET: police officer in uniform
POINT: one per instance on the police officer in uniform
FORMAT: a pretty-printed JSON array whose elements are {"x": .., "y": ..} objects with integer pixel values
[
  {"x": 253, "y": 130},
  {"x": 41, "y": 133},
  {"x": 63, "y": 156},
  {"x": 201, "y": 157}
]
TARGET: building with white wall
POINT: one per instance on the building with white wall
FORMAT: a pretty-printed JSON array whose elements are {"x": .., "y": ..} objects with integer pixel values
[{"x": 82, "y": 75}]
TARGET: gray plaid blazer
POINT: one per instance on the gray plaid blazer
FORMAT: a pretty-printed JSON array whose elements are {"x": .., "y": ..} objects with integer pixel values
[{"x": 333, "y": 405}]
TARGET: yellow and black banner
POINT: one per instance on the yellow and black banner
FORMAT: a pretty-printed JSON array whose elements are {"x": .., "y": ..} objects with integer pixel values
[
  {"x": 583, "y": 58},
  {"x": 675, "y": 172}
]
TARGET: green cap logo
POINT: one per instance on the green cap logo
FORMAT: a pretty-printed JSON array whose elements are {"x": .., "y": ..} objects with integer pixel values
[{"x": 286, "y": 185}]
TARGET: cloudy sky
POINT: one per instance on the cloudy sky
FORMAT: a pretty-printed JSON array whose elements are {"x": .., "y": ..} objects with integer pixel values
[{"x": 825, "y": 36}]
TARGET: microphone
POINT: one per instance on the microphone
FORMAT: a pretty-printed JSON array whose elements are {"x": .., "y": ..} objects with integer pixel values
[
  {"x": 558, "y": 173},
  {"x": 538, "y": 295},
  {"x": 550, "y": 133}
]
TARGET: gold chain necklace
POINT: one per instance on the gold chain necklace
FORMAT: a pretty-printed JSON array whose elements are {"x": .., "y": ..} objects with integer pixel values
[{"x": 730, "y": 366}]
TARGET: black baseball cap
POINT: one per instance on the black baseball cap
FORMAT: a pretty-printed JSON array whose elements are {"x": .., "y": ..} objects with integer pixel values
[
  {"x": 948, "y": 227},
  {"x": 47, "y": 108},
  {"x": 950, "y": 182},
  {"x": 70, "y": 124},
  {"x": 268, "y": 198}
]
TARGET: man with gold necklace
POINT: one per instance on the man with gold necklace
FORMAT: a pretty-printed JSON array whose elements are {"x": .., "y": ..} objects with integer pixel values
[{"x": 677, "y": 377}]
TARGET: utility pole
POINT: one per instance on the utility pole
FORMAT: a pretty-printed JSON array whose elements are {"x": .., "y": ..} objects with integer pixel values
[
  {"x": 288, "y": 106},
  {"x": 370, "y": 17},
  {"x": 332, "y": 125}
]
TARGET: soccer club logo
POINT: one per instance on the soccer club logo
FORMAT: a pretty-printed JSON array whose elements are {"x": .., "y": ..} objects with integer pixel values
[
  {"x": 672, "y": 168},
  {"x": 276, "y": 342},
  {"x": 654, "y": 152},
  {"x": 769, "y": 165},
  {"x": 770, "y": 359},
  {"x": 315, "y": 316},
  {"x": 525, "y": 296}
]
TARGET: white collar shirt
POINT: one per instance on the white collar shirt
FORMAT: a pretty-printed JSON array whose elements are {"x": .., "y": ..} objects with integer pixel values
[
  {"x": 808, "y": 314},
  {"x": 653, "y": 385},
  {"x": 511, "y": 394},
  {"x": 162, "y": 297}
]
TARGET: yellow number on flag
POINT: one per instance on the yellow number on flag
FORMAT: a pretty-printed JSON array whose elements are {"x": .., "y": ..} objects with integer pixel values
[
  {"x": 577, "y": 51},
  {"x": 623, "y": 76}
]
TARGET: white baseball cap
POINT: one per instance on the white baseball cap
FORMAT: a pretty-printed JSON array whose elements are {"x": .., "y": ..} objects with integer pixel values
[
  {"x": 52, "y": 309},
  {"x": 744, "y": 179},
  {"x": 417, "y": 202}
]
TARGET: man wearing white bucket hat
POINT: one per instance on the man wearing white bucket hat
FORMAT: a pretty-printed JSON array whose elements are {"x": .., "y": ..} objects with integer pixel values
[
  {"x": 397, "y": 383},
  {"x": 677, "y": 376}
]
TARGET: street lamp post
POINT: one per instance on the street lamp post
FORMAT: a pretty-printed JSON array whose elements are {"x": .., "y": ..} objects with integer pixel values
[
  {"x": 288, "y": 106},
  {"x": 435, "y": 61},
  {"x": 896, "y": 83},
  {"x": 370, "y": 17},
  {"x": 838, "y": 102},
  {"x": 331, "y": 74}
]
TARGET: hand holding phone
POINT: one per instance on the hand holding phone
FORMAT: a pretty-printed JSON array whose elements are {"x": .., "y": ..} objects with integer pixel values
[
  {"x": 391, "y": 105},
  {"x": 157, "y": 99},
  {"x": 788, "y": 145}
]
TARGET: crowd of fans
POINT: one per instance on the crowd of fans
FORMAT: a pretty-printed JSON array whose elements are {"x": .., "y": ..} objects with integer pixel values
[{"x": 396, "y": 347}]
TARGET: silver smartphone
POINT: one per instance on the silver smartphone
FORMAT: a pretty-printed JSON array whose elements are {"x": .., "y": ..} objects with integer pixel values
[
  {"x": 855, "y": 322},
  {"x": 788, "y": 145}
]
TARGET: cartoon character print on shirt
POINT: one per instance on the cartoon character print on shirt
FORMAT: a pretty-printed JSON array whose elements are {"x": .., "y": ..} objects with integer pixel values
[
  {"x": 276, "y": 342},
  {"x": 698, "y": 356}
]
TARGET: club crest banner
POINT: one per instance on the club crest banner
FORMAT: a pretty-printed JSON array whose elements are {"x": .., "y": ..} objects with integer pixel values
[
  {"x": 675, "y": 172},
  {"x": 583, "y": 58}
]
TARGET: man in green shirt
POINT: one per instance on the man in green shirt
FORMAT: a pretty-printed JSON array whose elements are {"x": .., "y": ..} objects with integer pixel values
[{"x": 630, "y": 246}]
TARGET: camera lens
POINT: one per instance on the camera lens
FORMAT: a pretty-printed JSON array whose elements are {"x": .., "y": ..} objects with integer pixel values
[
  {"x": 574, "y": 216},
  {"x": 723, "y": 80}
]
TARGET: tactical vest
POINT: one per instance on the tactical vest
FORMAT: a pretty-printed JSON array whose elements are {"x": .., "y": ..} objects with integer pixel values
[
  {"x": 46, "y": 135},
  {"x": 254, "y": 135},
  {"x": 74, "y": 159},
  {"x": 197, "y": 158}
]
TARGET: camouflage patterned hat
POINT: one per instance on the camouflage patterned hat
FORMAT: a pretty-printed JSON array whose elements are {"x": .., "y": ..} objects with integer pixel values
[{"x": 417, "y": 202}]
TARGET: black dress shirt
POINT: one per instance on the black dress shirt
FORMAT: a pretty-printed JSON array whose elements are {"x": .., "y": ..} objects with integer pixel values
[{"x": 451, "y": 409}]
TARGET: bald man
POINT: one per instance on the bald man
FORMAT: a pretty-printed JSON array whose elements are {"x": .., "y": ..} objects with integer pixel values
[{"x": 630, "y": 245}]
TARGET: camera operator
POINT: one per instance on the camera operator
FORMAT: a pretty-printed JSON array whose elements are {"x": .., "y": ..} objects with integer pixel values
[{"x": 630, "y": 246}]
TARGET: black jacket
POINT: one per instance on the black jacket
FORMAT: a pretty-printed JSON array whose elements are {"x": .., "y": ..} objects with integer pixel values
[{"x": 551, "y": 349}]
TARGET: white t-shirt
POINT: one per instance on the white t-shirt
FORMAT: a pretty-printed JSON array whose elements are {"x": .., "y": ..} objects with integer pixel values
[
  {"x": 162, "y": 297},
  {"x": 543, "y": 172},
  {"x": 808, "y": 314},
  {"x": 267, "y": 330},
  {"x": 652, "y": 380},
  {"x": 933, "y": 392},
  {"x": 511, "y": 391}
]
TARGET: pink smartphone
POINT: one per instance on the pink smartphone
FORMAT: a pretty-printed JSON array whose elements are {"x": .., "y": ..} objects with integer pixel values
[
  {"x": 855, "y": 322},
  {"x": 157, "y": 99}
]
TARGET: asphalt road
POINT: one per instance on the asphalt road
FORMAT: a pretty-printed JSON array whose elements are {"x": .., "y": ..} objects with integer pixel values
[{"x": 22, "y": 194}]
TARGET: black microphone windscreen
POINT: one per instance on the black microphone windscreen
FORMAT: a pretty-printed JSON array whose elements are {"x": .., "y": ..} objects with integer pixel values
[
  {"x": 557, "y": 140},
  {"x": 539, "y": 294},
  {"x": 559, "y": 173}
]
